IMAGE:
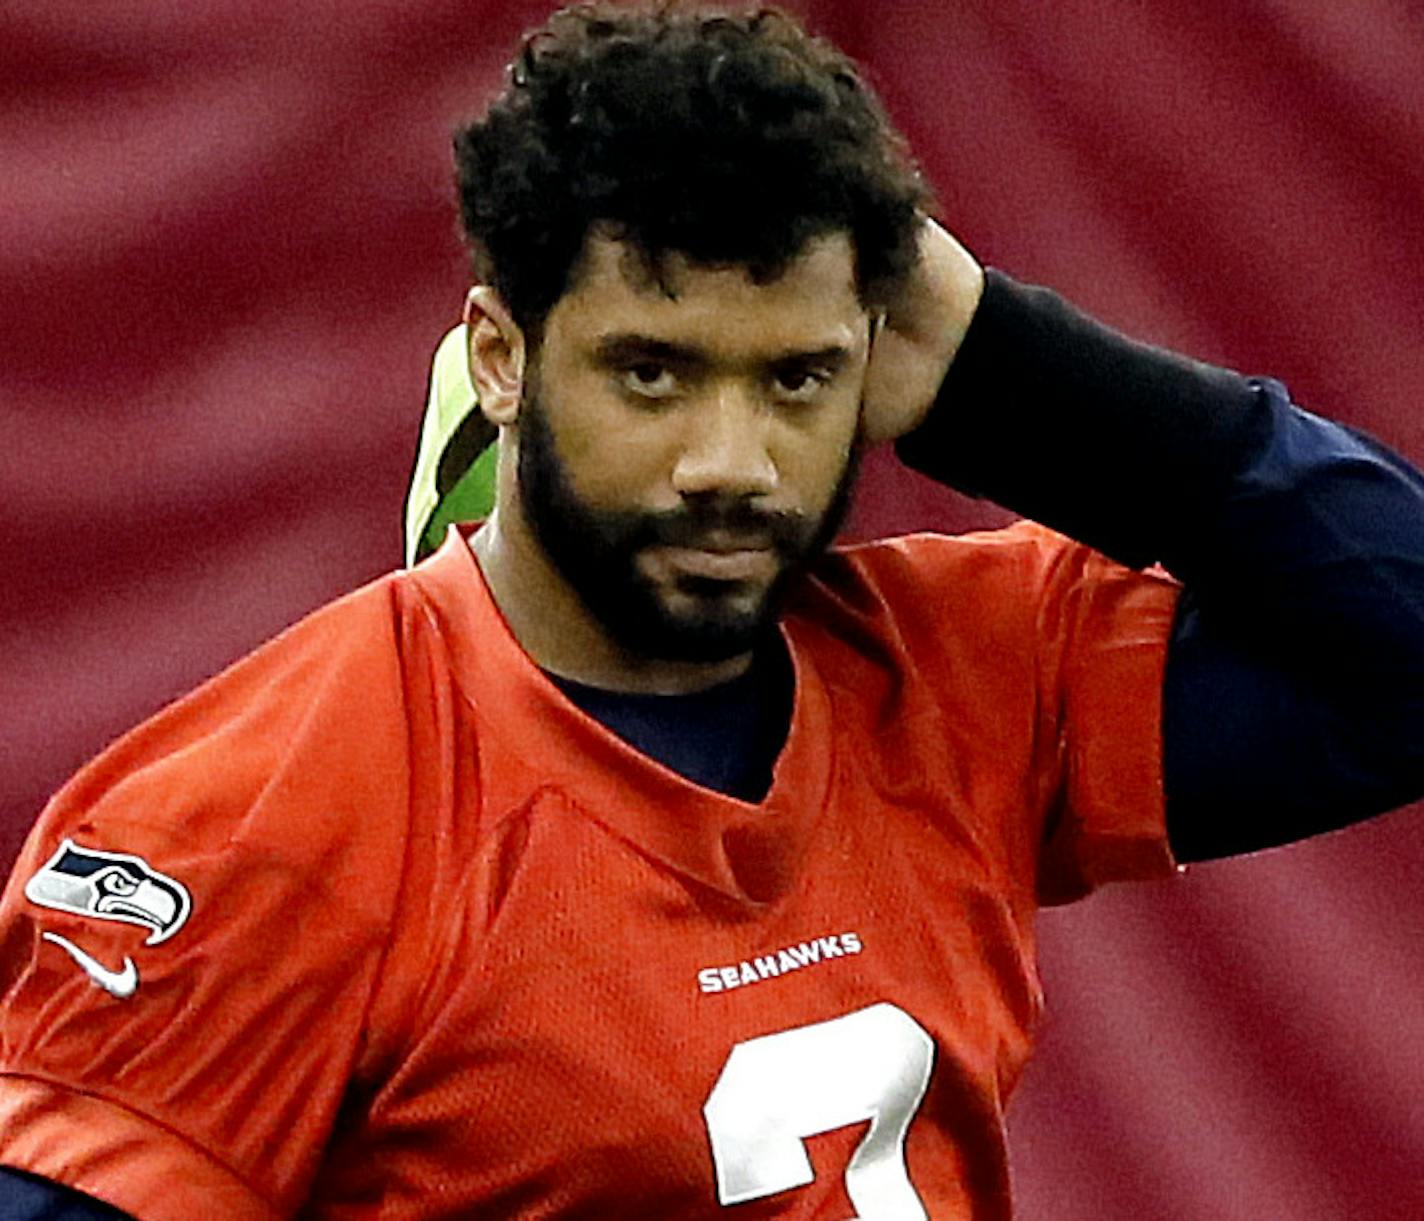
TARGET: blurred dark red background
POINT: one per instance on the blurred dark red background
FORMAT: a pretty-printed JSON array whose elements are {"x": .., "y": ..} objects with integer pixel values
[{"x": 227, "y": 248}]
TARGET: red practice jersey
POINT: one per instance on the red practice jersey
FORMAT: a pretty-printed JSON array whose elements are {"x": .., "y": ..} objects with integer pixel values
[{"x": 378, "y": 924}]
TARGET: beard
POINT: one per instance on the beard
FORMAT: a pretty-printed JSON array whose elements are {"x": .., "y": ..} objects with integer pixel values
[{"x": 596, "y": 551}]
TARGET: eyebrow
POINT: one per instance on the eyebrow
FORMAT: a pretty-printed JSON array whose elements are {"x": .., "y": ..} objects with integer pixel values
[{"x": 629, "y": 348}]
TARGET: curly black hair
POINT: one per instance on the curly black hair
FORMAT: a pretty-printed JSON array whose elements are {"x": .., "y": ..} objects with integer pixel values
[{"x": 732, "y": 137}]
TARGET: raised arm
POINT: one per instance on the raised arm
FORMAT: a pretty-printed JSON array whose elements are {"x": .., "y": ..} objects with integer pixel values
[{"x": 1294, "y": 691}]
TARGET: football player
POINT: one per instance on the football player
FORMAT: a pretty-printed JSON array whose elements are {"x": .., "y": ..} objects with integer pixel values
[{"x": 637, "y": 838}]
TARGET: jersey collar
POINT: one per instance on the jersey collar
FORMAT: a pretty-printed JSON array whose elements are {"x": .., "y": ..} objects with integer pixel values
[{"x": 747, "y": 852}]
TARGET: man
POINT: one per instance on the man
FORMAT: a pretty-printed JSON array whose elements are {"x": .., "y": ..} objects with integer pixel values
[{"x": 636, "y": 856}]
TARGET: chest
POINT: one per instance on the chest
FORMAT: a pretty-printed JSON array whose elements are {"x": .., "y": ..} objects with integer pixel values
[{"x": 602, "y": 1036}]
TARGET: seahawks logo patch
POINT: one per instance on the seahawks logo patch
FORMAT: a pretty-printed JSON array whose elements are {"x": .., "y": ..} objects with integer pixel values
[{"x": 111, "y": 886}]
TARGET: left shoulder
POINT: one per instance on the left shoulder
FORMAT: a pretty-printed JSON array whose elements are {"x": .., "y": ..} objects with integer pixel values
[
  {"x": 984, "y": 571},
  {"x": 995, "y": 592}
]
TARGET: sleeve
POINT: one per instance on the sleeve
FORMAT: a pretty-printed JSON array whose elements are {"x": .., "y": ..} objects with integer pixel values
[
  {"x": 1102, "y": 633},
  {"x": 1114, "y": 443},
  {"x": 1292, "y": 699},
  {"x": 195, "y": 928},
  {"x": 1041, "y": 664}
]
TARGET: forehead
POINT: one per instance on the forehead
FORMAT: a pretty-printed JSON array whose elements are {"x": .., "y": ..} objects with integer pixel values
[{"x": 812, "y": 303}]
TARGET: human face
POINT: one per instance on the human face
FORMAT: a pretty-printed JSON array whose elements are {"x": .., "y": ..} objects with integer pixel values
[{"x": 683, "y": 454}]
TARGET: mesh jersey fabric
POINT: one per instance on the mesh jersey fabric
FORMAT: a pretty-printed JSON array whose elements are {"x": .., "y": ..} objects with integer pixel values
[{"x": 455, "y": 950}]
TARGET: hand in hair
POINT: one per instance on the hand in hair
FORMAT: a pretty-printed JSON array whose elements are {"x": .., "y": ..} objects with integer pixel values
[{"x": 921, "y": 332}]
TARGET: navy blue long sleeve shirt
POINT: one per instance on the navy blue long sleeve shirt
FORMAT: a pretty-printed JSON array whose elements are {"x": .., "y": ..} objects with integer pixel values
[{"x": 1294, "y": 691}]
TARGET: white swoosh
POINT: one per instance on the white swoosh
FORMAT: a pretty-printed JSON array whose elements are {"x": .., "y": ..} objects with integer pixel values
[{"x": 122, "y": 984}]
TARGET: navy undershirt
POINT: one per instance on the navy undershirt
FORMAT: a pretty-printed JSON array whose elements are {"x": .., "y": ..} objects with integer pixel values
[
  {"x": 725, "y": 737},
  {"x": 27, "y": 1197}
]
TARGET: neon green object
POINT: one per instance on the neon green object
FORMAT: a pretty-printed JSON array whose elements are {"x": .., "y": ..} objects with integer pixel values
[{"x": 454, "y": 477}]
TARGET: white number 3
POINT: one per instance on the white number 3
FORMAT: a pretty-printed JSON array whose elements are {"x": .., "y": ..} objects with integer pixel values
[{"x": 781, "y": 1088}]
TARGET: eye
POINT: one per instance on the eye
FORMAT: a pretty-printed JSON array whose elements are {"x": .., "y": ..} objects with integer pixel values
[
  {"x": 800, "y": 383},
  {"x": 116, "y": 882},
  {"x": 648, "y": 379}
]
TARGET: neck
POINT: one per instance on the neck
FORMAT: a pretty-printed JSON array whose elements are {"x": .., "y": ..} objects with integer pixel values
[{"x": 555, "y": 628}]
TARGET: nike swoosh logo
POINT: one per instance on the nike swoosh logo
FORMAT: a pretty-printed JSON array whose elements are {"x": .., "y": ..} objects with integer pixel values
[{"x": 122, "y": 984}]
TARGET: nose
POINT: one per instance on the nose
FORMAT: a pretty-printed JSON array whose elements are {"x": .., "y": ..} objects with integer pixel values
[{"x": 725, "y": 451}]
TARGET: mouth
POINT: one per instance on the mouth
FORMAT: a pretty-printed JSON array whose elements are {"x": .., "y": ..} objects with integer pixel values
[{"x": 719, "y": 557}]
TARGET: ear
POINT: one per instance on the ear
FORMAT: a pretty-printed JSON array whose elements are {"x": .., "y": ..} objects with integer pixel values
[{"x": 496, "y": 354}]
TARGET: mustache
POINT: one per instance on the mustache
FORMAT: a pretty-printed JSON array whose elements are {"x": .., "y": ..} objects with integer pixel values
[{"x": 691, "y": 525}]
